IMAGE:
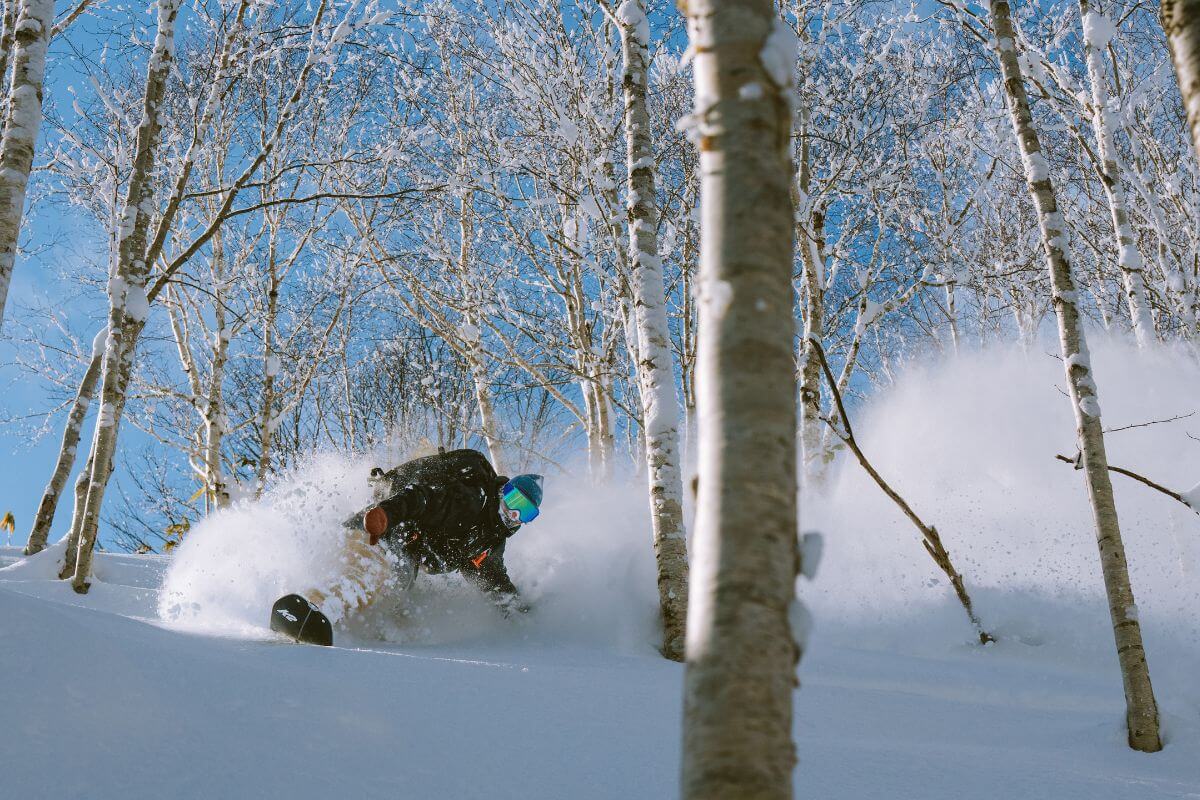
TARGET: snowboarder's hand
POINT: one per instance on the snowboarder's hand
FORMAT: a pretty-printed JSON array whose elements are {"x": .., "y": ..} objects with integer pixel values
[
  {"x": 375, "y": 523},
  {"x": 510, "y": 604}
]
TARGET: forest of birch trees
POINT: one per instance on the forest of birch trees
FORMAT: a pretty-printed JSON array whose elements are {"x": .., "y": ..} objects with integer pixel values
[{"x": 612, "y": 238}]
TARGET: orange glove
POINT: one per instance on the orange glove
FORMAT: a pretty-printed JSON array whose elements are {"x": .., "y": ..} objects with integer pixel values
[{"x": 375, "y": 523}]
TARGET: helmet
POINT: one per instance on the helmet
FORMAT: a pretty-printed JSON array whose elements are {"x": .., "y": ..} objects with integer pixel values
[{"x": 521, "y": 498}]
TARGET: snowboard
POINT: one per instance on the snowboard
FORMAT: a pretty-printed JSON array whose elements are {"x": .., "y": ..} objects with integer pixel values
[{"x": 300, "y": 620}]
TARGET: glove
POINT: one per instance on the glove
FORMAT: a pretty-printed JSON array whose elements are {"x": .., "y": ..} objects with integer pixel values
[
  {"x": 510, "y": 604},
  {"x": 375, "y": 523},
  {"x": 383, "y": 516}
]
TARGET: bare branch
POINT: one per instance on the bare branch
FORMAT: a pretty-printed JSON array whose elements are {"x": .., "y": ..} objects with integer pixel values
[
  {"x": 931, "y": 540},
  {"x": 66, "y": 21},
  {"x": 1158, "y": 487},
  {"x": 1152, "y": 422}
]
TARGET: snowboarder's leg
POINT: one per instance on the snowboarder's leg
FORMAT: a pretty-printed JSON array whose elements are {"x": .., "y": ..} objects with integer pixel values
[{"x": 365, "y": 572}]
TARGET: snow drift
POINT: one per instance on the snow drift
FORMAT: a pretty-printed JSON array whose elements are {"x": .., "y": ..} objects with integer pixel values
[
  {"x": 970, "y": 443},
  {"x": 238, "y": 561}
]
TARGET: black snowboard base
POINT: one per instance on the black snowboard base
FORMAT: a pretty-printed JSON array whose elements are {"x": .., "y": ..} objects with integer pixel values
[{"x": 301, "y": 621}]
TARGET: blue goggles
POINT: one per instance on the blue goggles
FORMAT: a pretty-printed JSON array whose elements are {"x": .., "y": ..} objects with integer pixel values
[{"x": 516, "y": 501}]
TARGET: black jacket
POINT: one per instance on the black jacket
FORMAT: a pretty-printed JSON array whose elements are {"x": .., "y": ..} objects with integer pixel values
[{"x": 443, "y": 514}]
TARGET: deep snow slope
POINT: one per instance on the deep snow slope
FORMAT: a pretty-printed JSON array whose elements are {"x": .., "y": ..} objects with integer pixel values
[
  {"x": 164, "y": 682},
  {"x": 102, "y": 701},
  {"x": 101, "y": 704}
]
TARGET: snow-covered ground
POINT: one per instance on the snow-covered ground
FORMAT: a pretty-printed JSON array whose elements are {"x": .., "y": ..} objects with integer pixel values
[
  {"x": 164, "y": 682},
  {"x": 102, "y": 701}
]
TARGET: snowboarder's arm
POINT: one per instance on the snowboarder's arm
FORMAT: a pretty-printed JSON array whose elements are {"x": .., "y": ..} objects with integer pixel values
[
  {"x": 488, "y": 574},
  {"x": 429, "y": 507}
]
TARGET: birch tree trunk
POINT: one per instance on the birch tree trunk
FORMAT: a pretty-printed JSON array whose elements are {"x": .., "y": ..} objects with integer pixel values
[
  {"x": 1180, "y": 284},
  {"x": 1181, "y": 23},
  {"x": 811, "y": 433},
  {"x": 476, "y": 357},
  {"x": 660, "y": 408},
  {"x": 483, "y": 397},
  {"x": 66, "y": 452},
  {"x": 7, "y": 40},
  {"x": 1096, "y": 35},
  {"x": 81, "y": 490},
  {"x": 35, "y": 18},
  {"x": 952, "y": 313},
  {"x": 214, "y": 411},
  {"x": 267, "y": 419},
  {"x": 128, "y": 305},
  {"x": 266, "y": 414},
  {"x": 741, "y": 647},
  {"x": 1141, "y": 708},
  {"x": 812, "y": 256},
  {"x": 604, "y": 416},
  {"x": 633, "y": 351}
]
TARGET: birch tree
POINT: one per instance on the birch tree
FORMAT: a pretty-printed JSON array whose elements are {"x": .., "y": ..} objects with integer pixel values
[
  {"x": 1142, "y": 710},
  {"x": 1181, "y": 23},
  {"x": 65, "y": 462},
  {"x": 1097, "y": 33},
  {"x": 128, "y": 305},
  {"x": 22, "y": 120},
  {"x": 741, "y": 647},
  {"x": 660, "y": 408}
]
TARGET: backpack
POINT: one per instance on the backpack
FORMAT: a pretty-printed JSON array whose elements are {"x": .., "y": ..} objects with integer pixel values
[{"x": 465, "y": 466}]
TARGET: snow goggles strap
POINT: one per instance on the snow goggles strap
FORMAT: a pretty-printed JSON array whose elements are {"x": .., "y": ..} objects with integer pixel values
[{"x": 516, "y": 500}]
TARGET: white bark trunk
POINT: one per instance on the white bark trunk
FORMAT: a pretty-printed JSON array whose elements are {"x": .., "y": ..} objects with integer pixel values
[
  {"x": 1181, "y": 23},
  {"x": 488, "y": 421},
  {"x": 591, "y": 427},
  {"x": 35, "y": 18},
  {"x": 476, "y": 357},
  {"x": 7, "y": 41},
  {"x": 213, "y": 104},
  {"x": 812, "y": 254},
  {"x": 741, "y": 642},
  {"x": 81, "y": 490},
  {"x": 1180, "y": 283},
  {"x": 266, "y": 411},
  {"x": 660, "y": 409},
  {"x": 952, "y": 312},
  {"x": 633, "y": 351},
  {"x": 128, "y": 305},
  {"x": 1141, "y": 708},
  {"x": 214, "y": 410},
  {"x": 604, "y": 419},
  {"x": 1129, "y": 259},
  {"x": 66, "y": 452}
]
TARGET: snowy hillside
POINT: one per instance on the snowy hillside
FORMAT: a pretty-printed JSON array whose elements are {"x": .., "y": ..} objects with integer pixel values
[
  {"x": 513, "y": 715},
  {"x": 189, "y": 696}
]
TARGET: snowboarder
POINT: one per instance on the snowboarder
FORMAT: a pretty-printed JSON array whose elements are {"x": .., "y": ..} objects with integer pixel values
[{"x": 442, "y": 513}]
